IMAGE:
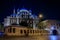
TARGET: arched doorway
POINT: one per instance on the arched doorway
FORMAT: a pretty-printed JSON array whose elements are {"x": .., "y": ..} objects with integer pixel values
[{"x": 54, "y": 32}]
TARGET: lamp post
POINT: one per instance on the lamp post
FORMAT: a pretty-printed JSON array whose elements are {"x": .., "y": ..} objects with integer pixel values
[{"x": 40, "y": 17}]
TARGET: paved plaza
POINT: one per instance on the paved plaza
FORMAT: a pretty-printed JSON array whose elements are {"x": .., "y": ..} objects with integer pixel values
[{"x": 32, "y": 38}]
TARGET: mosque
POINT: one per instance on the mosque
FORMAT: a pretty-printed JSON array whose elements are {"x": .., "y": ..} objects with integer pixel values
[
  {"x": 22, "y": 23},
  {"x": 20, "y": 17}
]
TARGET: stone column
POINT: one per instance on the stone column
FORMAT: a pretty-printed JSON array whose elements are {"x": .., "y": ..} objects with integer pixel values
[
  {"x": 8, "y": 21},
  {"x": 17, "y": 20},
  {"x": 34, "y": 24}
]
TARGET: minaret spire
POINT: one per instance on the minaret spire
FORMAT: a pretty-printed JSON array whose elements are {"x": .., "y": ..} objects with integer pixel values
[
  {"x": 18, "y": 11},
  {"x": 14, "y": 14},
  {"x": 14, "y": 10}
]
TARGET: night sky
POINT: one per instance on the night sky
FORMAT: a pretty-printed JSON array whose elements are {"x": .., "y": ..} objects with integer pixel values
[{"x": 50, "y": 9}]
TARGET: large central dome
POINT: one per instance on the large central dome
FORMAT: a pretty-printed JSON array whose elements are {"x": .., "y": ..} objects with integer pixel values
[{"x": 24, "y": 10}]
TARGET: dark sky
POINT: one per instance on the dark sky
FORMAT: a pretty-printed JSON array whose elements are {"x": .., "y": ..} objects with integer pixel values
[{"x": 50, "y": 9}]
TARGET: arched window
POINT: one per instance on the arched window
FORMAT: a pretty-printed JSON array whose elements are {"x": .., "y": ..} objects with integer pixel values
[
  {"x": 13, "y": 30},
  {"x": 21, "y": 31},
  {"x": 24, "y": 31},
  {"x": 10, "y": 30},
  {"x": 27, "y": 31},
  {"x": 30, "y": 31},
  {"x": 55, "y": 32}
]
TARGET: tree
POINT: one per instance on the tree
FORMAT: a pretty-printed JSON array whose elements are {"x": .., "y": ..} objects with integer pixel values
[{"x": 42, "y": 25}]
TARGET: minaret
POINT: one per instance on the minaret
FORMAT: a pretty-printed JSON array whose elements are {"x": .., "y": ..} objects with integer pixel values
[
  {"x": 17, "y": 16},
  {"x": 14, "y": 11},
  {"x": 18, "y": 11},
  {"x": 14, "y": 15}
]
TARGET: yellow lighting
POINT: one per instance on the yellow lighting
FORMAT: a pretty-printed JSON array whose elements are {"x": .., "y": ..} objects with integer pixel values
[{"x": 40, "y": 15}]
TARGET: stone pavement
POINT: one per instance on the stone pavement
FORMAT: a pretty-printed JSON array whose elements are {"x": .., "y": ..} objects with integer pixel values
[{"x": 25, "y": 38}]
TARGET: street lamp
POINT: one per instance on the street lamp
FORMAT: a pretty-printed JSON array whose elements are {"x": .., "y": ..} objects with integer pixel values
[{"x": 40, "y": 15}]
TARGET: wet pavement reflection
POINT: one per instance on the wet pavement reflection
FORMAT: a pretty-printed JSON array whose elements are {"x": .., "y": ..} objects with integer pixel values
[
  {"x": 54, "y": 37},
  {"x": 51, "y": 37}
]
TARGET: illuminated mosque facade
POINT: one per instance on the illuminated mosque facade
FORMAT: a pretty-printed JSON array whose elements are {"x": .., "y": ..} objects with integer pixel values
[
  {"x": 23, "y": 22},
  {"x": 22, "y": 17}
]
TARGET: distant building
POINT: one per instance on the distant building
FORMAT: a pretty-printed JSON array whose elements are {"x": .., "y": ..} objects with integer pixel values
[
  {"x": 51, "y": 25},
  {"x": 22, "y": 17}
]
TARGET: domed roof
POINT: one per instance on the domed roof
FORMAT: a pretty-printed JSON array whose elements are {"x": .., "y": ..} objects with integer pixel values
[{"x": 24, "y": 10}]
